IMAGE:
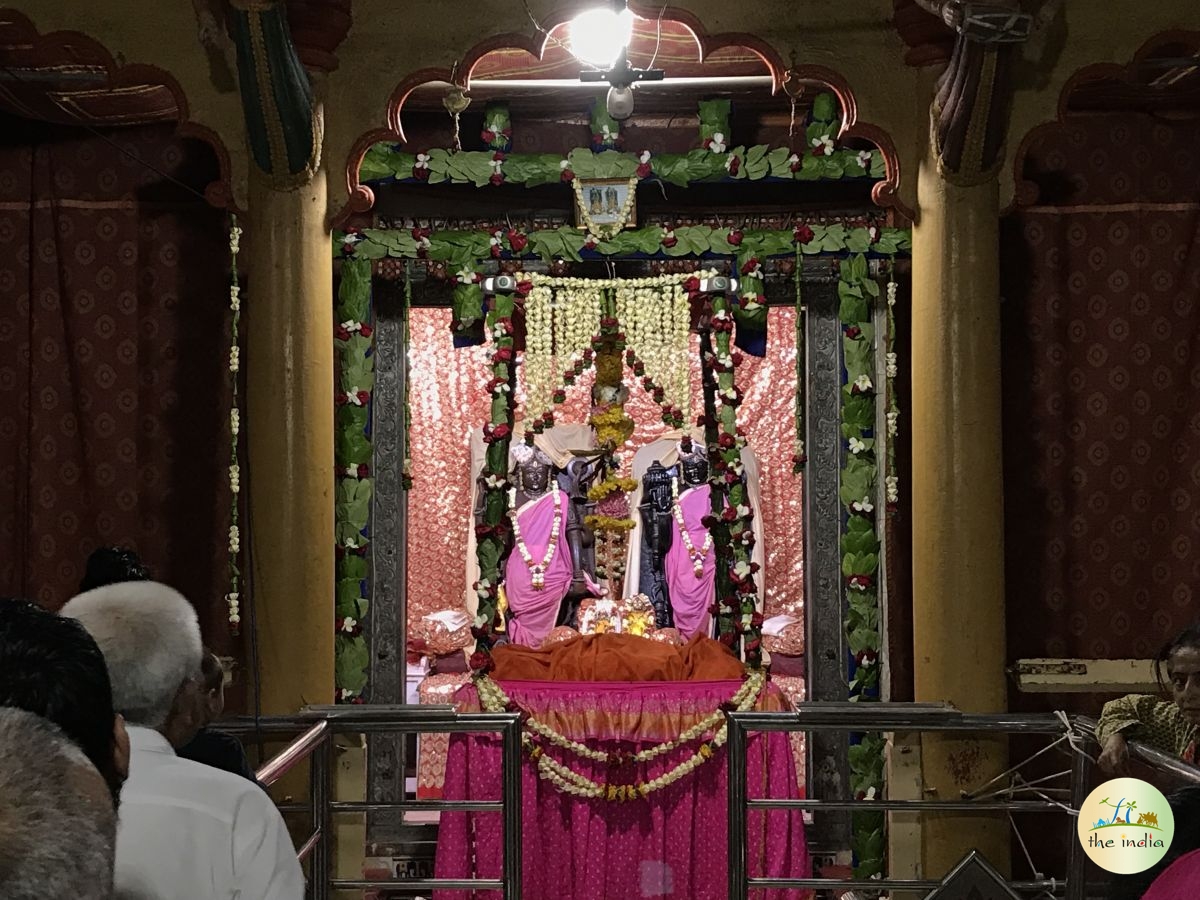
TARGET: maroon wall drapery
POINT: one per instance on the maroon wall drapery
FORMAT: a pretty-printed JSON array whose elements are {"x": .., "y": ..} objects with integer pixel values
[
  {"x": 113, "y": 384},
  {"x": 1101, "y": 288}
]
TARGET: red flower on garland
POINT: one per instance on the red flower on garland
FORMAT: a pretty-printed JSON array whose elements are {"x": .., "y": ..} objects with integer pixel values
[
  {"x": 802, "y": 234},
  {"x": 497, "y": 178},
  {"x": 524, "y": 287},
  {"x": 420, "y": 173},
  {"x": 728, "y": 514},
  {"x": 736, "y": 237},
  {"x": 363, "y": 398},
  {"x": 692, "y": 285},
  {"x": 347, "y": 249},
  {"x": 567, "y": 175},
  {"x": 494, "y": 433},
  {"x": 364, "y": 470},
  {"x": 860, "y": 582},
  {"x": 643, "y": 170},
  {"x": 487, "y": 135},
  {"x": 735, "y": 163},
  {"x": 517, "y": 241},
  {"x": 669, "y": 240},
  {"x": 482, "y": 662},
  {"x": 750, "y": 265},
  {"x": 852, "y": 332},
  {"x": 365, "y": 331},
  {"x": 503, "y": 355},
  {"x": 341, "y": 333}
]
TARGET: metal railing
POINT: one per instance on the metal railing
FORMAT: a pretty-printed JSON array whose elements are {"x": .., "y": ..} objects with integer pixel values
[
  {"x": 322, "y": 724},
  {"x": 908, "y": 717}
]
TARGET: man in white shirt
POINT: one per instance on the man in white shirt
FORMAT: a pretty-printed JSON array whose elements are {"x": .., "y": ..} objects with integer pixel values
[{"x": 186, "y": 831}]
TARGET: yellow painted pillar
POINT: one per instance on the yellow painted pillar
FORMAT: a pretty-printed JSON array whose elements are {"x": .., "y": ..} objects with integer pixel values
[
  {"x": 289, "y": 384},
  {"x": 957, "y": 498}
]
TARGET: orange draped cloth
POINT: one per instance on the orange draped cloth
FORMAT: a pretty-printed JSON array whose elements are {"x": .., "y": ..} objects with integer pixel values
[{"x": 618, "y": 657}]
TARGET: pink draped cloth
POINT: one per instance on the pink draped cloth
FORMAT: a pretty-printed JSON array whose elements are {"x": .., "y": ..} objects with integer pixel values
[
  {"x": 671, "y": 844},
  {"x": 691, "y": 596},
  {"x": 1181, "y": 880},
  {"x": 534, "y": 612}
]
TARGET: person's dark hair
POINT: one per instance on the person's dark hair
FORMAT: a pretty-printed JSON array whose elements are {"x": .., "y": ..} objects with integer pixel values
[
  {"x": 112, "y": 565},
  {"x": 212, "y": 671},
  {"x": 1185, "y": 806},
  {"x": 1189, "y": 637},
  {"x": 50, "y": 666}
]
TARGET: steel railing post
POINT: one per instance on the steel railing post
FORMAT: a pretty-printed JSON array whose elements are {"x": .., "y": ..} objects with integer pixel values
[
  {"x": 320, "y": 779},
  {"x": 511, "y": 762},
  {"x": 737, "y": 809}
]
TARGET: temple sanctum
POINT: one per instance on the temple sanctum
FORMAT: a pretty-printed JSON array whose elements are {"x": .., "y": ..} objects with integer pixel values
[{"x": 626, "y": 450}]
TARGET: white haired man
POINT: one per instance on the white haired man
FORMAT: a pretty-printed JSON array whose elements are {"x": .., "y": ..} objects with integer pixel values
[
  {"x": 187, "y": 831},
  {"x": 57, "y": 822}
]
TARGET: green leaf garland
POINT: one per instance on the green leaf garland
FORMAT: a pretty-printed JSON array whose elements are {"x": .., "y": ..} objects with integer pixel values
[
  {"x": 860, "y": 547},
  {"x": 353, "y": 344}
]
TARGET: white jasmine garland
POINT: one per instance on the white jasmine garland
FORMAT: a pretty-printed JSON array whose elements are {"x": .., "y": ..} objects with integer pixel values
[
  {"x": 892, "y": 484},
  {"x": 233, "y": 614}
]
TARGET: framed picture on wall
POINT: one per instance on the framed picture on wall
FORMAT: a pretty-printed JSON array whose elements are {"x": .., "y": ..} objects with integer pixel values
[{"x": 605, "y": 203}]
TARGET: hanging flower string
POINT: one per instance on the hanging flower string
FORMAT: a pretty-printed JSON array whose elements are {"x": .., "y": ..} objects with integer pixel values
[
  {"x": 732, "y": 517},
  {"x": 800, "y": 456},
  {"x": 891, "y": 478},
  {"x": 493, "y": 532},
  {"x": 537, "y": 738},
  {"x": 233, "y": 597}
]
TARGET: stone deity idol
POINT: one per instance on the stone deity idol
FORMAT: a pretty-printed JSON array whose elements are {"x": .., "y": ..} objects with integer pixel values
[
  {"x": 679, "y": 565},
  {"x": 546, "y": 572}
]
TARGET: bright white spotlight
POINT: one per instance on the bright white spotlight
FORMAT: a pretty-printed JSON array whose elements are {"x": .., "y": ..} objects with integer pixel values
[{"x": 599, "y": 35}]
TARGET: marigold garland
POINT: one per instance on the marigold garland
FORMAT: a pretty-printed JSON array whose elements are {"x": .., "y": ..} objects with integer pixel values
[{"x": 493, "y": 699}]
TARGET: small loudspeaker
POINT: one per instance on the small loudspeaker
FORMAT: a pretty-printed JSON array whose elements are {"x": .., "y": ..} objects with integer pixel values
[{"x": 501, "y": 284}]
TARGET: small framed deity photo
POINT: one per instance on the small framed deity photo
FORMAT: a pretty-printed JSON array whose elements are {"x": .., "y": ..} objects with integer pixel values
[{"x": 609, "y": 203}]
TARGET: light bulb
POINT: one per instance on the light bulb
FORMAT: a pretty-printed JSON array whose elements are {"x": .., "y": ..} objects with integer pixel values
[
  {"x": 620, "y": 102},
  {"x": 599, "y": 35}
]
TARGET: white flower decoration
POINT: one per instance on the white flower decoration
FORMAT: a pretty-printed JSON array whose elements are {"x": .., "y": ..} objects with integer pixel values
[
  {"x": 864, "y": 159},
  {"x": 422, "y": 161},
  {"x": 644, "y": 157},
  {"x": 729, "y": 160},
  {"x": 793, "y": 159},
  {"x": 563, "y": 165},
  {"x": 863, "y": 506},
  {"x": 857, "y": 446},
  {"x": 891, "y": 293},
  {"x": 352, "y": 397},
  {"x": 465, "y": 276},
  {"x": 717, "y": 142},
  {"x": 348, "y": 624},
  {"x": 892, "y": 420},
  {"x": 863, "y": 382},
  {"x": 892, "y": 367},
  {"x": 824, "y": 143},
  {"x": 893, "y": 488}
]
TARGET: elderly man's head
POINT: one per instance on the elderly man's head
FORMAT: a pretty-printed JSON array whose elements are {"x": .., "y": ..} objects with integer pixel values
[
  {"x": 150, "y": 639},
  {"x": 57, "y": 822},
  {"x": 50, "y": 666}
]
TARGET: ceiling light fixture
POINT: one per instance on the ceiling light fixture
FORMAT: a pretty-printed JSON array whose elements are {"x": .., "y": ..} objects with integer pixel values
[{"x": 601, "y": 37}]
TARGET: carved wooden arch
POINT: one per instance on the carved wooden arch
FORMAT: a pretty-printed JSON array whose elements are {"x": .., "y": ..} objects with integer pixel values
[
  {"x": 1025, "y": 192},
  {"x": 53, "y": 48},
  {"x": 884, "y": 193}
]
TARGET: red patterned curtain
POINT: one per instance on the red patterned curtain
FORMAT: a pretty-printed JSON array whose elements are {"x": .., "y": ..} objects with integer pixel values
[
  {"x": 113, "y": 389},
  {"x": 1102, "y": 391}
]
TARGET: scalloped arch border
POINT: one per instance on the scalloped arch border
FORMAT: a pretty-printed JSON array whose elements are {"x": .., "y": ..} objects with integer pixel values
[
  {"x": 885, "y": 193},
  {"x": 1025, "y": 192},
  {"x": 53, "y": 47}
]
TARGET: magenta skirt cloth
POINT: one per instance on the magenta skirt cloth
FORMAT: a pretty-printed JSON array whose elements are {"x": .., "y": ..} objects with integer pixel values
[{"x": 671, "y": 844}]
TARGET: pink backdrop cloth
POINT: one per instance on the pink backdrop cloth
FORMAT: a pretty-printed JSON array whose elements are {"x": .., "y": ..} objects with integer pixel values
[
  {"x": 673, "y": 844},
  {"x": 534, "y": 612},
  {"x": 1181, "y": 880},
  {"x": 691, "y": 596}
]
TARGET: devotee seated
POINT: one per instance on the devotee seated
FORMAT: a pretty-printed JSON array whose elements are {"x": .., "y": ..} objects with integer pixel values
[
  {"x": 50, "y": 666},
  {"x": 57, "y": 822},
  {"x": 210, "y": 746},
  {"x": 187, "y": 831},
  {"x": 1172, "y": 726}
]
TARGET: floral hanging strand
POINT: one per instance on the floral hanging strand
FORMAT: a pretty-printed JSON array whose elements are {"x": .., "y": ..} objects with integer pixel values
[
  {"x": 406, "y": 481},
  {"x": 800, "y": 456},
  {"x": 493, "y": 532},
  {"x": 891, "y": 478},
  {"x": 233, "y": 597},
  {"x": 732, "y": 515}
]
